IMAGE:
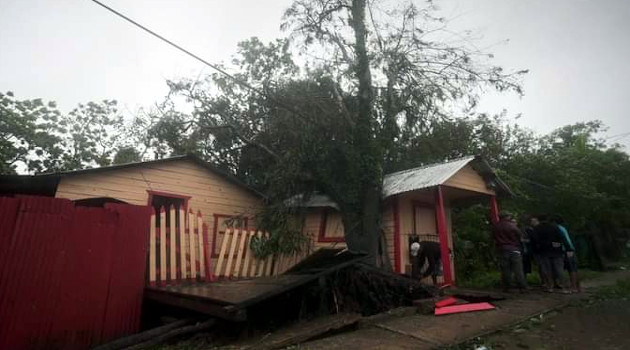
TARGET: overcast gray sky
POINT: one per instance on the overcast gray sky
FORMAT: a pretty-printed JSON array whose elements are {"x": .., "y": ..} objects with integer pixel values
[{"x": 73, "y": 51}]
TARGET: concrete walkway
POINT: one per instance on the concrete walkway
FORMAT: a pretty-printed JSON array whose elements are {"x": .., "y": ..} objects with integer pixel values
[{"x": 430, "y": 332}]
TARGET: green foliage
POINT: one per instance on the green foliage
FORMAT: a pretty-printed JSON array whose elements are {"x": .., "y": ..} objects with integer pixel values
[
  {"x": 26, "y": 133},
  {"x": 37, "y": 136},
  {"x": 127, "y": 155},
  {"x": 474, "y": 248},
  {"x": 574, "y": 174},
  {"x": 619, "y": 290},
  {"x": 336, "y": 123},
  {"x": 88, "y": 135},
  {"x": 285, "y": 232},
  {"x": 569, "y": 172}
]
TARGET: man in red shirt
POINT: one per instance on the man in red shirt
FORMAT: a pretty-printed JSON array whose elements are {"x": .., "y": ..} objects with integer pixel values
[{"x": 507, "y": 240}]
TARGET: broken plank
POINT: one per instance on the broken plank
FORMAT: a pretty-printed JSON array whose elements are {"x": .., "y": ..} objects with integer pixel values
[
  {"x": 454, "y": 309},
  {"x": 446, "y": 302}
]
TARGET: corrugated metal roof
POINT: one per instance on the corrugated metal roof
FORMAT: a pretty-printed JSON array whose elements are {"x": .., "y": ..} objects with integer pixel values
[
  {"x": 419, "y": 178},
  {"x": 422, "y": 177},
  {"x": 313, "y": 201}
]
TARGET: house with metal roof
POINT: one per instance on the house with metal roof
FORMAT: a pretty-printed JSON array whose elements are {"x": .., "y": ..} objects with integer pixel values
[
  {"x": 417, "y": 205},
  {"x": 180, "y": 182},
  {"x": 417, "y": 201}
]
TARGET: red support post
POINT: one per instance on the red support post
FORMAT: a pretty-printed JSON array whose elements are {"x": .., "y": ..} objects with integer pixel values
[
  {"x": 440, "y": 219},
  {"x": 397, "y": 252},
  {"x": 494, "y": 210}
]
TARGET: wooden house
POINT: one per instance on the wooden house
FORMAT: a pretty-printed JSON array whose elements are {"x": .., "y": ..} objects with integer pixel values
[
  {"x": 182, "y": 182},
  {"x": 416, "y": 202}
]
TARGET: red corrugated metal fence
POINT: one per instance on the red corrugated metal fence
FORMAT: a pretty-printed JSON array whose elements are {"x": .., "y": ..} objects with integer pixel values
[{"x": 70, "y": 277}]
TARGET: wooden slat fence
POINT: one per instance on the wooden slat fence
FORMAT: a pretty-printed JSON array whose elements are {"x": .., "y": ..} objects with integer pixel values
[
  {"x": 237, "y": 260},
  {"x": 178, "y": 247}
]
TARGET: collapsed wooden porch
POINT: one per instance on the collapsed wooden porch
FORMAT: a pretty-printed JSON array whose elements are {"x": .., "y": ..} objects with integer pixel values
[{"x": 231, "y": 299}]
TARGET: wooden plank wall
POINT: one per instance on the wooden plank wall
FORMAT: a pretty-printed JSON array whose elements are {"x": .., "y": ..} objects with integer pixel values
[
  {"x": 424, "y": 224},
  {"x": 312, "y": 224},
  {"x": 469, "y": 179},
  {"x": 334, "y": 225},
  {"x": 210, "y": 193},
  {"x": 387, "y": 223}
]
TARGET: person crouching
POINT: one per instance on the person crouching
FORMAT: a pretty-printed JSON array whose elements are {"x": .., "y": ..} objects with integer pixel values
[{"x": 427, "y": 252}]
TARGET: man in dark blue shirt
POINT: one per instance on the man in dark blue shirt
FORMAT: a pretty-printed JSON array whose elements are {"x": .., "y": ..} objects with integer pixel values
[{"x": 551, "y": 245}]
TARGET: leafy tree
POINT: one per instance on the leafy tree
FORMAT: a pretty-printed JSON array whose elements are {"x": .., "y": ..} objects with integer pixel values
[
  {"x": 372, "y": 78},
  {"x": 570, "y": 172},
  {"x": 26, "y": 133},
  {"x": 89, "y": 135},
  {"x": 492, "y": 137},
  {"x": 127, "y": 155},
  {"x": 575, "y": 174},
  {"x": 39, "y": 138}
]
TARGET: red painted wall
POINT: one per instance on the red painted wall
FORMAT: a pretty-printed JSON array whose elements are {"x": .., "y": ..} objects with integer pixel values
[{"x": 70, "y": 277}]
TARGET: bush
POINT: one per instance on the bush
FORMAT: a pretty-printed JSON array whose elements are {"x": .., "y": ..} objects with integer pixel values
[{"x": 473, "y": 246}]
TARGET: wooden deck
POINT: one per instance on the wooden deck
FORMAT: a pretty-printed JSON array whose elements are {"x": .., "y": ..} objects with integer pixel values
[{"x": 230, "y": 299}]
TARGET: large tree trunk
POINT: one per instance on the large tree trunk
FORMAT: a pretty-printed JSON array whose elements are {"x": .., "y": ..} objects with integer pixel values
[
  {"x": 361, "y": 223},
  {"x": 361, "y": 214}
]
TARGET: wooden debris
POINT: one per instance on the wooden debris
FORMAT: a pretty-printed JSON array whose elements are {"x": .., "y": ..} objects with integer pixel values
[
  {"x": 141, "y": 337},
  {"x": 453, "y": 309},
  {"x": 446, "y": 302},
  {"x": 425, "y": 306},
  {"x": 476, "y": 296},
  {"x": 403, "y": 311},
  {"x": 159, "y": 339},
  {"x": 304, "y": 331}
]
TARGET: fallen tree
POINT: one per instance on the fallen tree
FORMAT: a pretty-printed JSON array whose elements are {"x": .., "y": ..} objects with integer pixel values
[{"x": 369, "y": 290}]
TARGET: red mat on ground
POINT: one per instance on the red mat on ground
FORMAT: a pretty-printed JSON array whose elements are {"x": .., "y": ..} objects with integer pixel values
[
  {"x": 454, "y": 309},
  {"x": 446, "y": 302}
]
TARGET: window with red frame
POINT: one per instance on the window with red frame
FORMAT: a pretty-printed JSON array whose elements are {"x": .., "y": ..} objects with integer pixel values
[{"x": 331, "y": 227}]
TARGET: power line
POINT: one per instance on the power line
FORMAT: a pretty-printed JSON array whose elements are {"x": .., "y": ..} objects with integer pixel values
[
  {"x": 618, "y": 136},
  {"x": 189, "y": 53},
  {"x": 553, "y": 189}
]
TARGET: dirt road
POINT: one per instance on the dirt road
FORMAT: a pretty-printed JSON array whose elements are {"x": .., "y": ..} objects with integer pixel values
[
  {"x": 600, "y": 320},
  {"x": 587, "y": 323},
  {"x": 603, "y": 325}
]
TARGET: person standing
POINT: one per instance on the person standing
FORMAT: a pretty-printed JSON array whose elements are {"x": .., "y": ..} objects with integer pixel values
[
  {"x": 570, "y": 259},
  {"x": 526, "y": 248},
  {"x": 507, "y": 239},
  {"x": 534, "y": 244},
  {"x": 551, "y": 244}
]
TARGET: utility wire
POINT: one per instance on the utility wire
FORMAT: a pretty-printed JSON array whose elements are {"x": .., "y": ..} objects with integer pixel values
[
  {"x": 189, "y": 53},
  {"x": 618, "y": 136},
  {"x": 553, "y": 189}
]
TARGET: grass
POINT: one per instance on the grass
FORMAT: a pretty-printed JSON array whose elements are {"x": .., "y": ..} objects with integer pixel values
[
  {"x": 492, "y": 279},
  {"x": 619, "y": 290}
]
